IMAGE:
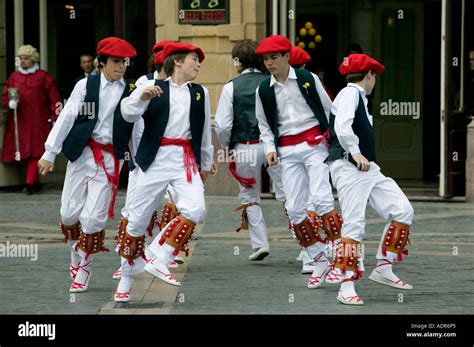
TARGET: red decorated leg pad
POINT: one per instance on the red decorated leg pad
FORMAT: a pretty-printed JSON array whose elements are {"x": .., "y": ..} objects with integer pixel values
[
  {"x": 92, "y": 243},
  {"x": 121, "y": 230},
  {"x": 151, "y": 225},
  {"x": 132, "y": 247},
  {"x": 396, "y": 238},
  {"x": 332, "y": 224},
  {"x": 244, "y": 220},
  {"x": 178, "y": 234},
  {"x": 348, "y": 255},
  {"x": 72, "y": 232},
  {"x": 167, "y": 215},
  {"x": 314, "y": 218},
  {"x": 307, "y": 232}
]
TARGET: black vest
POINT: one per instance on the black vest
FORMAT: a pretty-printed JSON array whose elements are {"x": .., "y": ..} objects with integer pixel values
[
  {"x": 306, "y": 85},
  {"x": 156, "y": 120},
  {"x": 245, "y": 125},
  {"x": 131, "y": 164},
  {"x": 364, "y": 131},
  {"x": 81, "y": 131}
]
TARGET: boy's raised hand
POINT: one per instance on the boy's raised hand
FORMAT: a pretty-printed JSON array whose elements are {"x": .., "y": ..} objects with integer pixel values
[
  {"x": 149, "y": 93},
  {"x": 45, "y": 166},
  {"x": 272, "y": 158},
  {"x": 362, "y": 162}
]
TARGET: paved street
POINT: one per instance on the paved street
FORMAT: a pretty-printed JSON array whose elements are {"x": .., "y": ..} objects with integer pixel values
[{"x": 218, "y": 278}]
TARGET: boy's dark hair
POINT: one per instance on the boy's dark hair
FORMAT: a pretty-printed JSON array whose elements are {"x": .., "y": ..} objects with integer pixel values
[
  {"x": 355, "y": 77},
  {"x": 102, "y": 59},
  {"x": 353, "y": 48},
  {"x": 168, "y": 65},
  {"x": 86, "y": 55},
  {"x": 151, "y": 63},
  {"x": 245, "y": 51},
  {"x": 158, "y": 67}
]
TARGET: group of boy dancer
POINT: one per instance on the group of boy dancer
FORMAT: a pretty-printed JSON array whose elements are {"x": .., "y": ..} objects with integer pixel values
[{"x": 279, "y": 112}]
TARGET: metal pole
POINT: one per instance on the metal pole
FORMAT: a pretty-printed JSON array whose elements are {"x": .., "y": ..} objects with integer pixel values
[
  {"x": 442, "y": 175},
  {"x": 13, "y": 95},
  {"x": 461, "y": 58},
  {"x": 43, "y": 30},
  {"x": 17, "y": 139}
]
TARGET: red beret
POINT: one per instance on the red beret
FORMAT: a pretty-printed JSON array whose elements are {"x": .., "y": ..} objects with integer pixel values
[
  {"x": 116, "y": 47},
  {"x": 274, "y": 44},
  {"x": 178, "y": 47},
  {"x": 160, "y": 45},
  {"x": 356, "y": 63},
  {"x": 298, "y": 56},
  {"x": 159, "y": 58}
]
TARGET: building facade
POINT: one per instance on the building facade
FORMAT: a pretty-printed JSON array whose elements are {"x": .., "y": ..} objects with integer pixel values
[{"x": 418, "y": 104}]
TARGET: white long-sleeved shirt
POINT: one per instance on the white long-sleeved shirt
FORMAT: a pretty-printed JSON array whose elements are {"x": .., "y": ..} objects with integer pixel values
[
  {"x": 225, "y": 112},
  {"x": 139, "y": 126},
  {"x": 109, "y": 96},
  {"x": 344, "y": 108},
  {"x": 294, "y": 114},
  {"x": 144, "y": 78},
  {"x": 179, "y": 125}
]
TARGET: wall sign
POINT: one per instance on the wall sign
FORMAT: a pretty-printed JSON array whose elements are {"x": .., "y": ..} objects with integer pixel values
[{"x": 204, "y": 12}]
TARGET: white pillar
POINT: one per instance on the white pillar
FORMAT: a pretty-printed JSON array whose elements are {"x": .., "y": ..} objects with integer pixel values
[
  {"x": 275, "y": 17},
  {"x": 284, "y": 17},
  {"x": 292, "y": 21},
  {"x": 18, "y": 24},
  {"x": 43, "y": 31},
  {"x": 443, "y": 108}
]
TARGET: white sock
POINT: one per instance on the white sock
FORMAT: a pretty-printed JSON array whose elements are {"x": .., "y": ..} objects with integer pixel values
[
  {"x": 75, "y": 257},
  {"x": 384, "y": 268},
  {"x": 320, "y": 265},
  {"x": 164, "y": 252},
  {"x": 125, "y": 284},
  {"x": 85, "y": 270},
  {"x": 306, "y": 258},
  {"x": 347, "y": 288}
]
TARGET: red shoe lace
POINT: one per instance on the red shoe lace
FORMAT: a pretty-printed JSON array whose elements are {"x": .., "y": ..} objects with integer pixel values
[
  {"x": 122, "y": 295},
  {"x": 333, "y": 276}
]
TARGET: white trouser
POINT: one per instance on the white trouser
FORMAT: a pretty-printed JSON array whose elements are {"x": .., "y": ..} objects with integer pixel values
[
  {"x": 304, "y": 175},
  {"x": 250, "y": 158},
  {"x": 174, "y": 196},
  {"x": 355, "y": 188},
  {"x": 86, "y": 193},
  {"x": 166, "y": 169},
  {"x": 132, "y": 180}
]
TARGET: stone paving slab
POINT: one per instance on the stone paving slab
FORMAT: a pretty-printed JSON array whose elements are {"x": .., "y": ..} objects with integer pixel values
[{"x": 218, "y": 279}]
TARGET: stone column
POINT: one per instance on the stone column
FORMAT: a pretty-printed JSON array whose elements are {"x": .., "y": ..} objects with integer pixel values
[{"x": 10, "y": 174}]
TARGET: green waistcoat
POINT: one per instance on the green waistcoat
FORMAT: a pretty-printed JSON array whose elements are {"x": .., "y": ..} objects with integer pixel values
[{"x": 245, "y": 125}]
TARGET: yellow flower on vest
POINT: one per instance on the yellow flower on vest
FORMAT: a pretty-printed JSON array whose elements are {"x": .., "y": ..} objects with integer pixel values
[
  {"x": 198, "y": 96},
  {"x": 132, "y": 87},
  {"x": 306, "y": 86}
]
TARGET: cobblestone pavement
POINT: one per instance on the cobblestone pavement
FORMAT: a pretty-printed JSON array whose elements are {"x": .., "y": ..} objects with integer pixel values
[{"x": 218, "y": 278}]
